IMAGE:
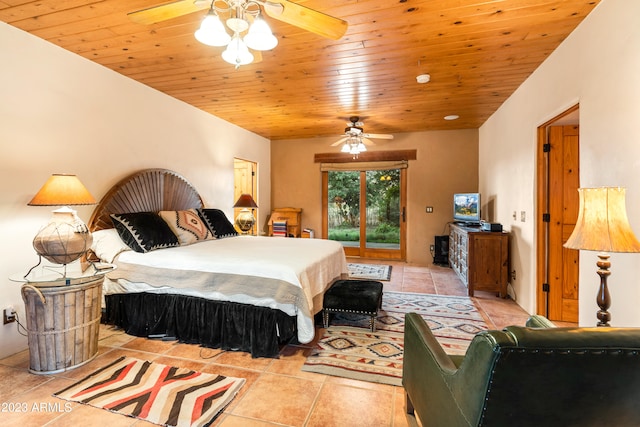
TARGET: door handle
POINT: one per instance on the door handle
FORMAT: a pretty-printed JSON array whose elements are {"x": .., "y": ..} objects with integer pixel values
[{"x": 404, "y": 214}]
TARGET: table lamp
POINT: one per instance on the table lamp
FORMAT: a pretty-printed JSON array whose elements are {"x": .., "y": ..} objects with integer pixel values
[
  {"x": 245, "y": 218},
  {"x": 65, "y": 238},
  {"x": 603, "y": 226}
]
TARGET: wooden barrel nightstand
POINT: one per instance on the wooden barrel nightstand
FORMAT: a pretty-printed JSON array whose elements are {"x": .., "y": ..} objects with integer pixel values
[{"x": 62, "y": 320}]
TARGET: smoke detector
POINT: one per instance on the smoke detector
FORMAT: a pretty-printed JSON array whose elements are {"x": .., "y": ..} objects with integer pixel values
[{"x": 423, "y": 78}]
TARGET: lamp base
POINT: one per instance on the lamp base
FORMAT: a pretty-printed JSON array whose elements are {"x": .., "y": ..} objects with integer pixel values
[
  {"x": 245, "y": 221},
  {"x": 64, "y": 239},
  {"x": 603, "y": 299}
]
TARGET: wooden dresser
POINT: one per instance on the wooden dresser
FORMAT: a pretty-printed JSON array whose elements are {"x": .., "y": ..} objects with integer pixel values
[
  {"x": 480, "y": 258},
  {"x": 293, "y": 218}
]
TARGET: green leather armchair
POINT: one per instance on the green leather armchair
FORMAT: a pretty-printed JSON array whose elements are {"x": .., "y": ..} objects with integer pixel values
[{"x": 536, "y": 375}]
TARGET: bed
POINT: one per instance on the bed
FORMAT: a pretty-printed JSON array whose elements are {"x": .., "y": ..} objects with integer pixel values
[{"x": 218, "y": 289}]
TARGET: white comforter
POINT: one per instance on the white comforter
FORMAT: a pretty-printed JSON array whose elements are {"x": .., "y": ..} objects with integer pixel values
[{"x": 280, "y": 273}]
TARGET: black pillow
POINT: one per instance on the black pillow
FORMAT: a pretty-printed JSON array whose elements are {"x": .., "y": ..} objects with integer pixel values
[
  {"x": 144, "y": 231},
  {"x": 218, "y": 223}
]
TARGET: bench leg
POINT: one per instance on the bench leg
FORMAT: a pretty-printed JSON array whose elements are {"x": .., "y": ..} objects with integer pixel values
[
  {"x": 373, "y": 322},
  {"x": 325, "y": 319}
]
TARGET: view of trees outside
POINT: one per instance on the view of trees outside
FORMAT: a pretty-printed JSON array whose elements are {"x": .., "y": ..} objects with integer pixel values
[{"x": 382, "y": 207}]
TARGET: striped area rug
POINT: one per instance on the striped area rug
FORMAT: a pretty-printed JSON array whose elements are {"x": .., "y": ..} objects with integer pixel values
[
  {"x": 160, "y": 394},
  {"x": 369, "y": 271},
  {"x": 349, "y": 349}
]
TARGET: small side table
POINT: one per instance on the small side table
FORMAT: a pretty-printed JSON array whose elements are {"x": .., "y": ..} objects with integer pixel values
[{"x": 63, "y": 317}]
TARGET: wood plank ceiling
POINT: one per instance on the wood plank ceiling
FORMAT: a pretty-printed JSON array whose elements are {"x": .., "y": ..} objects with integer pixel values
[{"x": 477, "y": 53}]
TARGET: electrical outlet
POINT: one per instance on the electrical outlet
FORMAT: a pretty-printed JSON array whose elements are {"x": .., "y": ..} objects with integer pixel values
[
  {"x": 429, "y": 209},
  {"x": 513, "y": 275},
  {"x": 432, "y": 248},
  {"x": 9, "y": 315}
]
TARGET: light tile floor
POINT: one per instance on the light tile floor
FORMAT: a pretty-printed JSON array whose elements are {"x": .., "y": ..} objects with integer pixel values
[{"x": 277, "y": 392}]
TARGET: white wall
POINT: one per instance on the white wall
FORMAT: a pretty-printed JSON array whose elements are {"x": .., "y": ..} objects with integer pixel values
[
  {"x": 60, "y": 113},
  {"x": 597, "y": 66}
]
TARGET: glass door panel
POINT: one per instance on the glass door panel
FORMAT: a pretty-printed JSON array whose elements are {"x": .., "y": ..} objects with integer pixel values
[
  {"x": 344, "y": 208},
  {"x": 383, "y": 209},
  {"x": 375, "y": 231}
]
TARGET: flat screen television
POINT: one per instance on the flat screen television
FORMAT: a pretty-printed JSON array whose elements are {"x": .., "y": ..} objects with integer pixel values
[{"x": 466, "y": 208}]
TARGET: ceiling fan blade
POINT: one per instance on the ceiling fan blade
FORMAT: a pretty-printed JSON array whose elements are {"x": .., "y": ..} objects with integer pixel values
[
  {"x": 367, "y": 141},
  {"x": 167, "y": 11},
  {"x": 340, "y": 141},
  {"x": 305, "y": 18},
  {"x": 377, "y": 135}
]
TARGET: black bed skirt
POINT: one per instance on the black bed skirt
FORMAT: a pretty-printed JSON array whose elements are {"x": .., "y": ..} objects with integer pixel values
[{"x": 215, "y": 324}]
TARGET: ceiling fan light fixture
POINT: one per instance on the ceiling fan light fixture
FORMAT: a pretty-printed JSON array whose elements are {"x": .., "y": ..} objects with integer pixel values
[
  {"x": 240, "y": 15},
  {"x": 355, "y": 140},
  {"x": 237, "y": 25},
  {"x": 212, "y": 32},
  {"x": 355, "y": 149},
  {"x": 353, "y": 145},
  {"x": 237, "y": 52},
  {"x": 260, "y": 36}
]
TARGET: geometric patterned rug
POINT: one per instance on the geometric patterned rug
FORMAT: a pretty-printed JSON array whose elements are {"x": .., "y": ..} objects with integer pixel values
[
  {"x": 157, "y": 393},
  {"x": 369, "y": 271},
  {"x": 349, "y": 349}
]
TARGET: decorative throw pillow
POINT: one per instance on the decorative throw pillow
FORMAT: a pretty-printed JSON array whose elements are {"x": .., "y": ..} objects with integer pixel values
[
  {"x": 144, "y": 231},
  {"x": 107, "y": 244},
  {"x": 218, "y": 223},
  {"x": 187, "y": 226}
]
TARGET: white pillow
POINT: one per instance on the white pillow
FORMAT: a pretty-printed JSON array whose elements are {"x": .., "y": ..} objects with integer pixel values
[{"x": 107, "y": 244}]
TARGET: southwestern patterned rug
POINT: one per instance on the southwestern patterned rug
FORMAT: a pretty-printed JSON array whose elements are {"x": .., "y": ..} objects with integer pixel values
[
  {"x": 369, "y": 271},
  {"x": 157, "y": 393},
  {"x": 348, "y": 349}
]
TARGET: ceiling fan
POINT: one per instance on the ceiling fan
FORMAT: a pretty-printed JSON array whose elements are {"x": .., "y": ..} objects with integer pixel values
[
  {"x": 250, "y": 33},
  {"x": 355, "y": 139},
  {"x": 282, "y": 10}
]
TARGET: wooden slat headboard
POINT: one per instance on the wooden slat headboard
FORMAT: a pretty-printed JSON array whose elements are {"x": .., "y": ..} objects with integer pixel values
[{"x": 149, "y": 190}]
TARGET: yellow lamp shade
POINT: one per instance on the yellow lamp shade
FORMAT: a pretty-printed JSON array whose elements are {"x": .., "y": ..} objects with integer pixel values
[
  {"x": 602, "y": 223},
  {"x": 62, "y": 190},
  {"x": 65, "y": 238}
]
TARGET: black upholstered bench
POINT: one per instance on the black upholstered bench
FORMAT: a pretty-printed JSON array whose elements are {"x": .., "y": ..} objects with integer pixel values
[{"x": 353, "y": 296}]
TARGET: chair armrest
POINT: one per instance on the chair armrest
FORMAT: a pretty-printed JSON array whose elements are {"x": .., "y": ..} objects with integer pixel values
[
  {"x": 428, "y": 342},
  {"x": 455, "y": 385},
  {"x": 537, "y": 321},
  {"x": 425, "y": 369}
]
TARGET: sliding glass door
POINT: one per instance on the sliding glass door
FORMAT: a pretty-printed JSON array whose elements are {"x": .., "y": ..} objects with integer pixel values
[{"x": 365, "y": 211}]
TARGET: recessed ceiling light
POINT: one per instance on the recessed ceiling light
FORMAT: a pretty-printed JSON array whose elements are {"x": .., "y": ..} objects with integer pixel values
[
  {"x": 423, "y": 78},
  {"x": 452, "y": 117}
]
